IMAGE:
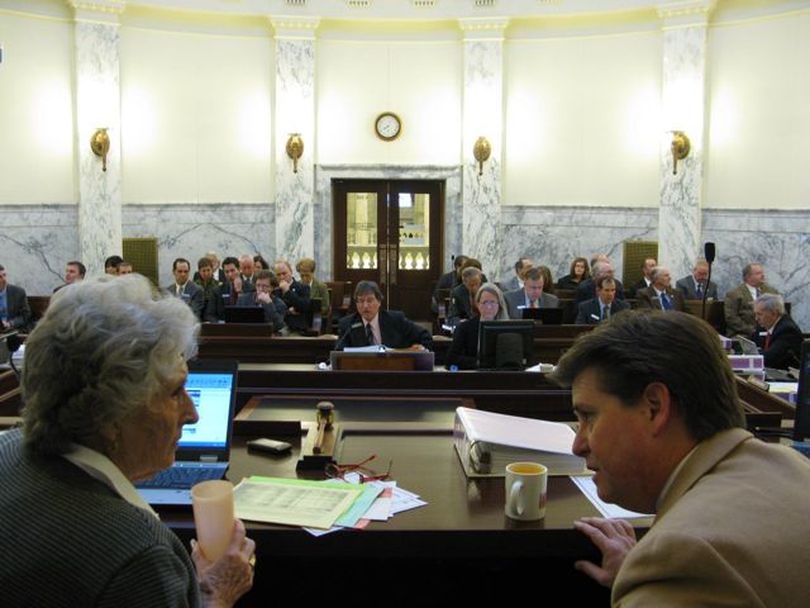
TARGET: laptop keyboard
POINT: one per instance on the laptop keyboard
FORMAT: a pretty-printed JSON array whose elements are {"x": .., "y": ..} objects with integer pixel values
[{"x": 176, "y": 477}]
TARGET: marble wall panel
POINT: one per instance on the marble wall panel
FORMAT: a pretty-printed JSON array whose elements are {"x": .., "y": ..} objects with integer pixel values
[{"x": 190, "y": 230}]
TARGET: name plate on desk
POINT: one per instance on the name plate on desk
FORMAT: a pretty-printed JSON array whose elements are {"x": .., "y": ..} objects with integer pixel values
[{"x": 389, "y": 360}]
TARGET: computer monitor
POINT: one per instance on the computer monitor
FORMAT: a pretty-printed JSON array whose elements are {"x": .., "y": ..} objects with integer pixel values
[
  {"x": 505, "y": 344},
  {"x": 244, "y": 314},
  {"x": 546, "y": 316},
  {"x": 801, "y": 424}
]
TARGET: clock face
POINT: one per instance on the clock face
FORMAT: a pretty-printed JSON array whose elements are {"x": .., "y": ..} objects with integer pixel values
[{"x": 388, "y": 126}]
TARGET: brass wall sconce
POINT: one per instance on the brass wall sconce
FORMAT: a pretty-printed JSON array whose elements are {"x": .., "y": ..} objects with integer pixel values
[
  {"x": 100, "y": 145},
  {"x": 680, "y": 149},
  {"x": 295, "y": 148},
  {"x": 481, "y": 151}
]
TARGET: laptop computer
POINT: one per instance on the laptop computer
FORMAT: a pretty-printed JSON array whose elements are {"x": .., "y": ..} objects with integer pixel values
[
  {"x": 547, "y": 316},
  {"x": 204, "y": 448},
  {"x": 244, "y": 314}
]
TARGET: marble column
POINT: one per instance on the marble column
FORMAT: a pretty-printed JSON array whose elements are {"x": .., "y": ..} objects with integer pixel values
[
  {"x": 295, "y": 113},
  {"x": 98, "y": 106},
  {"x": 482, "y": 117},
  {"x": 683, "y": 104}
]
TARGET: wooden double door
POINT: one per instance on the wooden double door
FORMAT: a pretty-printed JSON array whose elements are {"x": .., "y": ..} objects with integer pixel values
[{"x": 390, "y": 232}]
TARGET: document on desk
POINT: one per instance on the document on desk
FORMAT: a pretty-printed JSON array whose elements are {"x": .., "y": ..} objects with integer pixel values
[
  {"x": 294, "y": 502},
  {"x": 588, "y": 487}
]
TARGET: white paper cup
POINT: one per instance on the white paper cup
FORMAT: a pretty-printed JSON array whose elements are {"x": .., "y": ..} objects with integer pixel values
[
  {"x": 526, "y": 491},
  {"x": 213, "y": 516}
]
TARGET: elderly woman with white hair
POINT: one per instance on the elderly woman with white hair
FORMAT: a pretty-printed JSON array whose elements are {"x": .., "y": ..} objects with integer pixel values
[
  {"x": 490, "y": 306},
  {"x": 105, "y": 402}
]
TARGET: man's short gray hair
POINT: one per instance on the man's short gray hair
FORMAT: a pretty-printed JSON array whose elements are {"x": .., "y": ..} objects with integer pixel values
[
  {"x": 771, "y": 302},
  {"x": 102, "y": 350},
  {"x": 656, "y": 272},
  {"x": 470, "y": 272}
]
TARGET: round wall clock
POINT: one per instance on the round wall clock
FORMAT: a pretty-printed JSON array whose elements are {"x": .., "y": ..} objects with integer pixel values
[{"x": 388, "y": 126}]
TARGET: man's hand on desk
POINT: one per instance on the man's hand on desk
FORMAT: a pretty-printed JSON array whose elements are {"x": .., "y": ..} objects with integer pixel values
[
  {"x": 416, "y": 347},
  {"x": 614, "y": 538},
  {"x": 224, "y": 581}
]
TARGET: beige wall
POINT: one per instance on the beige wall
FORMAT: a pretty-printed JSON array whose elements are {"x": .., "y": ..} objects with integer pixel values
[
  {"x": 196, "y": 117},
  {"x": 36, "y": 110},
  {"x": 759, "y": 115},
  {"x": 582, "y": 120},
  {"x": 419, "y": 81}
]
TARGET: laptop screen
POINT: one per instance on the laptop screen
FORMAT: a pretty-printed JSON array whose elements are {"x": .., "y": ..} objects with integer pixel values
[{"x": 212, "y": 394}]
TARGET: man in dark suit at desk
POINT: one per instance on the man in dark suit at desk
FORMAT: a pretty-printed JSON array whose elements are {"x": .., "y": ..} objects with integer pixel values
[
  {"x": 587, "y": 288},
  {"x": 186, "y": 289},
  {"x": 462, "y": 305},
  {"x": 693, "y": 286},
  {"x": 646, "y": 277},
  {"x": 603, "y": 306},
  {"x": 780, "y": 339},
  {"x": 659, "y": 295},
  {"x": 661, "y": 425},
  {"x": 370, "y": 325},
  {"x": 531, "y": 296}
]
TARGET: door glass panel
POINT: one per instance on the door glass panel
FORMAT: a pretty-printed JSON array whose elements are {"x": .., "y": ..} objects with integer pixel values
[
  {"x": 414, "y": 231},
  {"x": 361, "y": 230}
]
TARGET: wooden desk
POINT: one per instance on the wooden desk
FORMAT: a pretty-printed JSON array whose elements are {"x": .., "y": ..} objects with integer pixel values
[
  {"x": 519, "y": 393},
  {"x": 460, "y": 543}
]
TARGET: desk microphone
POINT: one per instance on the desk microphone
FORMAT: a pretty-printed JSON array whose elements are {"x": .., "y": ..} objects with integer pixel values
[{"x": 709, "y": 252}]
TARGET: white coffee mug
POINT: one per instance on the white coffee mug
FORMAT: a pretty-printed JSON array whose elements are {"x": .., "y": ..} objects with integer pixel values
[{"x": 526, "y": 485}]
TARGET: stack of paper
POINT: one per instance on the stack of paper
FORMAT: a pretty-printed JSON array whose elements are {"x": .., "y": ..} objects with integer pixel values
[{"x": 486, "y": 442}]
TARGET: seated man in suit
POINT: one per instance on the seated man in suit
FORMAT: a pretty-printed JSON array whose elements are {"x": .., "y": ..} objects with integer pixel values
[
  {"x": 370, "y": 325},
  {"x": 646, "y": 277},
  {"x": 739, "y": 302},
  {"x": 660, "y": 295},
  {"x": 274, "y": 307},
  {"x": 204, "y": 277},
  {"x": 226, "y": 294},
  {"x": 603, "y": 306},
  {"x": 184, "y": 288},
  {"x": 516, "y": 282},
  {"x": 693, "y": 286},
  {"x": 125, "y": 268},
  {"x": 75, "y": 272},
  {"x": 14, "y": 310},
  {"x": 295, "y": 294},
  {"x": 587, "y": 288},
  {"x": 462, "y": 305},
  {"x": 317, "y": 289},
  {"x": 531, "y": 296},
  {"x": 780, "y": 339},
  {"x": 661, "y": 425},
  {"x": 447, "y": 282}
]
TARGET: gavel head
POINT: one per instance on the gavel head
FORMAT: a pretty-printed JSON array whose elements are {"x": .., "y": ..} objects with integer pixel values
[{"x": 326, "y": 413}]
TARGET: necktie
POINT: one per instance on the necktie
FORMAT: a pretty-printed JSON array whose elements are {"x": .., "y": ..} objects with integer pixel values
[
  {"x": 605, "y": 312},
  {"x": 534, "y": 304},
  {"x": 665, "y": 303},
  {"x": 370, "y": 334},
  {"x": 699, "y": 290},
  {"x": 179, "y": 290},
  {"x": 767, "y": 341}
]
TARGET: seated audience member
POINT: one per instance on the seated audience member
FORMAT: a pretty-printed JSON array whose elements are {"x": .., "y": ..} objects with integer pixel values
[
  {"x": 14, "y": 310},
  {"x": 218, "y": 272},
  {"x": 105, "y": 402},
  {"x": 74, "y": 272},
  {"x": 247, "y": 270},
  {"x": 661, "y": 425},
  {"x": 473, "y": 263},
  {"x": 295, "y": 295},
  {"x": 186, "y": 289},
  {"x": 693, "y": 286},
  {"x": 516, "y": 282},
  {"x": 645, "y": 281},
  {"x": 462, "y": 304},
  {"x": 317, "y": 289},
  {"x": 531, "y": 296},
  {"x": 112, "y": 264},
  {"x": 659, "y": 294},
  {"x": 599, "y": 268},
  {"x": 579, "y": 272},
  {"x": 739, "y": 303},
  {"x": 260, "y": 263},
  {"x": 779, "y": 339},
  {"x": 447, "y": 282},
  {"x": 226, "y": 294},
  {"x": 274, "y": 307},
  {"x": 206, "y": 281},
  {"x": 124, "y": 268},
  {"x": 370, "y": 325},
  {"x": 463, "y": 352},
  {"x": 603, "y": 306},
  {"x": 548, "y": 279}
]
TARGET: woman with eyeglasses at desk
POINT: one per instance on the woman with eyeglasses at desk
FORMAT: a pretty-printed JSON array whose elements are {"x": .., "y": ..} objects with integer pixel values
[
  {"x": 463, "y": 352},
  {"x": 105, "y": 402}
]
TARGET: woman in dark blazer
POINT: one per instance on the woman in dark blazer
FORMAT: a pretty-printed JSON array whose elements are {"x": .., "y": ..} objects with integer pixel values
[
  {"x": 579, "y": 272},
  {"x": 490, "y": 305}
]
